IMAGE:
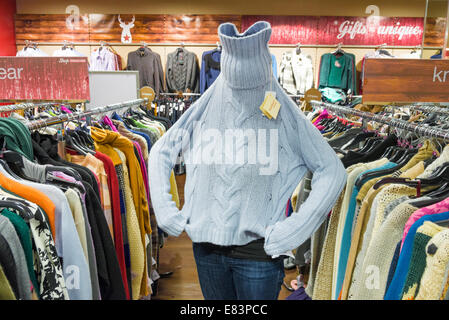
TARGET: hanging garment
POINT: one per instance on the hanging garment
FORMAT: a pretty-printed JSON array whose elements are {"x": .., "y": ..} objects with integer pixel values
[
  {"x": 103, "y": 59},
  {"x": 437, "y": 258},
  {"x": 182, "y": 71},
  {"x": 338, "y": 71},
  {"x": 8, "y": 232},
  {"x": 6, "y": 291},
  {"x": 210, "y": 68},
  {"x": 149, "y": 65},
  {"x": 31, "y": 52},
  {"x": 296, "y": 72},
  {"x": 67, "y": 52}
]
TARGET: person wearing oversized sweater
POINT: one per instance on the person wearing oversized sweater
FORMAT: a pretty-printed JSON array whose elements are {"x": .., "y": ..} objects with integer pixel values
[{"x": 234, "y": 209}]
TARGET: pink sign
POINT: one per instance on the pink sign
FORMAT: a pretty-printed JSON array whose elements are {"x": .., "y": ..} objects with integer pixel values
[
  {"x": 347, "y": 30},
  {"x": 44, "y": 78}
]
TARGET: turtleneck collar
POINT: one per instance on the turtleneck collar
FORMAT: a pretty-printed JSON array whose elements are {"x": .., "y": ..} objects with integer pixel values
[{"x": 246, "y": 60}]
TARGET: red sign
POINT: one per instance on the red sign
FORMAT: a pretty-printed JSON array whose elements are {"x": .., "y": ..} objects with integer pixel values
[
  {"x": 44, "y": 78},
  {"x": 347, "y": 30}
]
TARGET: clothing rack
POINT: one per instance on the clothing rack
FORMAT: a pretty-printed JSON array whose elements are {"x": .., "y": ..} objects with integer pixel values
[
  {"x": 430, "y": 109},
  {"x": 25, "y": 106},
  {"x": 392, "y": 122},
  {"x": 197, "y": 44},
  {"x": 72, "y": 116},
  {"x": 186, "y": 94}
]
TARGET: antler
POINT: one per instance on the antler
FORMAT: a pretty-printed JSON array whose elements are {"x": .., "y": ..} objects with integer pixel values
[
  {"x": 134, "y": 19},
  {"x": 120, "y": 20}
]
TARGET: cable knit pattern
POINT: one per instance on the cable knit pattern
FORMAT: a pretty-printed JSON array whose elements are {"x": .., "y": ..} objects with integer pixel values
[
  {"x": 230, "y": 202},
  {"x": 436, "y": 261}
]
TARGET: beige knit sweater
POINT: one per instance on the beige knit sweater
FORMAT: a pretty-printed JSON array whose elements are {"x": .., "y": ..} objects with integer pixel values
[{"x": 380, "y": 253}]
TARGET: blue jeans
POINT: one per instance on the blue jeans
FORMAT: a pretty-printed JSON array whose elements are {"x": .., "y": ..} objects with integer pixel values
[{"x": 225, "y": 278}]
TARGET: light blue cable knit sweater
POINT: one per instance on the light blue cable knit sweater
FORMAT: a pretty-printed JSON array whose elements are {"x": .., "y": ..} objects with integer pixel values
[{"x": 235, "y": 202}]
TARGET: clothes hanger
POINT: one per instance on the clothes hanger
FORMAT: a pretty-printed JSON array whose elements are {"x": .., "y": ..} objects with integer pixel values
[
  {"x": 379, "y": 173},
  {"x": 362, "y": 136},
  {"x": 165, "y": 121},
  {"x": 338, "y": 49},
  {"x": 442, "y": 176},
  {"x": 298, "y": 48},
  {"x": 19, "y": 207},
  {"x": 71, "y": 144},
  {"x": 64, "y": 183}
]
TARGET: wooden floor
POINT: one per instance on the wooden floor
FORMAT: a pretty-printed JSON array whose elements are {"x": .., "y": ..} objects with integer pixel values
[{"x": 177, "y": 256}]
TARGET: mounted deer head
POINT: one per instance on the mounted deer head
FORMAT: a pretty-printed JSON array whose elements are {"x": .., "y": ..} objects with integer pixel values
[{"x": 126, "y": 32}]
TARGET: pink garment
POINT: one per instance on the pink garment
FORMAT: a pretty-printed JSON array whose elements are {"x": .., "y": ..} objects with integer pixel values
[
  {"x": 436, "y": 208},
  {"x": 109, "y": 122},
  {"x": 63, "y": 176},
  {"x": 323, "y": 115},
  {"x": 65, "y": 109}
]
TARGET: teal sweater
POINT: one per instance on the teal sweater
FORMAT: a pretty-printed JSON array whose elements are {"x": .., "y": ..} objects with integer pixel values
[
  {"x": 235, "y": 201},
  {"x": 338, "y": 72}
]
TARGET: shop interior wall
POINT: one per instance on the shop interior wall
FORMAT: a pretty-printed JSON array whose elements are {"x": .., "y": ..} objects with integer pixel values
[
  {"x": 392, "y": 8},
  {"x": 410, "y": 8}
]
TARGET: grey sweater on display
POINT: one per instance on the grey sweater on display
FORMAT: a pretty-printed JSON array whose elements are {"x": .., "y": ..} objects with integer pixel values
[
  {"x": 149, "y": 65},
  {"x": 182, "y": 71}
]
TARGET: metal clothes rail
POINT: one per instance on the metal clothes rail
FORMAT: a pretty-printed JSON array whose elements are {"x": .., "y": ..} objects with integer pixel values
[
  {"x": 195, "y": 44},
  {"x": 430, "y": 109},
  {"x": 392, "y": 122},
  {"x": 186, "y": 94},
  {"x": 25, "y": 106},
  {"x": 74, "y": 116}
]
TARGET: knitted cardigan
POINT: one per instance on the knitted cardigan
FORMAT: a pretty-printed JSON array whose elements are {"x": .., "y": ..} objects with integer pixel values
[
  {"x": 380, "y": 252},
  {"x": 179, "y": 77},
  {"x": 233, "y": 204},
  {"x": 437, "y": 251},
  {"x": 394, "y": 291},
  {"x": 418, "y": 260}
]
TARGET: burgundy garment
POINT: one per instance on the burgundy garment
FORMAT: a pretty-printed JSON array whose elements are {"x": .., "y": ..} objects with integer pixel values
[{"x": 114, "y": 192}]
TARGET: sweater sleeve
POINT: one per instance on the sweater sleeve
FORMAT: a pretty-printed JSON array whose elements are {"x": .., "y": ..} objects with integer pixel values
[
  {"x": 309, "y": 75},
  {"x": 329, "y": 178},
  {"x": 159, "y": 75},
  {"x": 203, "y": 73},
  {"x": 195, "y": 74},
  {"x": 168, "y": 74},
  {"x": 323, "y": 72},
  {"x": 161, "y": 161}
]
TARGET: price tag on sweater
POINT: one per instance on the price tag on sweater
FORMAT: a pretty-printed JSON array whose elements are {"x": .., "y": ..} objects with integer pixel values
[{"x": 270, "y": 106}]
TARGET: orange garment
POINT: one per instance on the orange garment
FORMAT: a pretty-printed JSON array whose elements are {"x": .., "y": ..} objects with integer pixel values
[
  {"x": 33, "y": 195},
  {"x": 107, "y": 140}
]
